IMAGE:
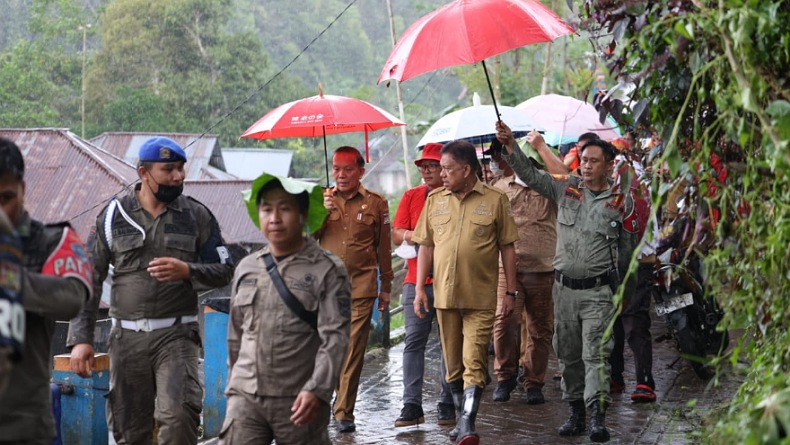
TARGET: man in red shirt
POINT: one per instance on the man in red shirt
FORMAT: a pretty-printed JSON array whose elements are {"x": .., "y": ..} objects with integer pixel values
[{"x": 418, "y": 329}]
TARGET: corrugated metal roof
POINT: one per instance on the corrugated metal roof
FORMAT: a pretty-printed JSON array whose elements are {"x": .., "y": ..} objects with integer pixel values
[
  {"x": 249, "y": 163},
  {"x": 67, "y": 178},
  {"x": 202, "y": 154},
  {"x": 224, "y": 200}
]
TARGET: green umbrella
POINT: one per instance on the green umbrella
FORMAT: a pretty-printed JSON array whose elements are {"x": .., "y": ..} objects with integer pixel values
[{"x": 316, "y": 213}]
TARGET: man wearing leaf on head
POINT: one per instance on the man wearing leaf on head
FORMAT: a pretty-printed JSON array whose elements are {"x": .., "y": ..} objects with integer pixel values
[{"x": 289, "y": 322}]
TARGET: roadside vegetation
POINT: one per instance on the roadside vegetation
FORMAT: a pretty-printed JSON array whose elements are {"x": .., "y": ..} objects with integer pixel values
[{"x": 711, "y": 78}]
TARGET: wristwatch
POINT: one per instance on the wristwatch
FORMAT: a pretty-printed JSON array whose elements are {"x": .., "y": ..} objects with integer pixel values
[{"x": 513, "y": 294}]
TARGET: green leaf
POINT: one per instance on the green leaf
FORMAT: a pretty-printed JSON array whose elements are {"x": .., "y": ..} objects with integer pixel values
[{"x": 681, "y": 29}]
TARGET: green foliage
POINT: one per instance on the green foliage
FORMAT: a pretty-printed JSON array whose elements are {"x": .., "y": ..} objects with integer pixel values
[
  {"x": 26, "y": 91},
  {"x": 176, "y": 55},
  {"x": 714, "y": 76}
]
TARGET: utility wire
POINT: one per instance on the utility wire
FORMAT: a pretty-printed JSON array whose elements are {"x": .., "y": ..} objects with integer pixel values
[{"x": 245, "y": 101}]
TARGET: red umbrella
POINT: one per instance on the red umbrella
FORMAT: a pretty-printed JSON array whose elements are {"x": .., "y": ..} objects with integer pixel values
[
  {"x": 469, "y": 31},
  {"x": 319, "y": 116}
]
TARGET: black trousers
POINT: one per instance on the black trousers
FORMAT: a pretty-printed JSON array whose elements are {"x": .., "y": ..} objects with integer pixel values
[{"x": 633, "y": 325}]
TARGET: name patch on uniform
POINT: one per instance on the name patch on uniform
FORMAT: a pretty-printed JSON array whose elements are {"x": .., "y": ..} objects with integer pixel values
[
  {"x": 181, "y": 229},
  {"x": 123, "y": 231}
]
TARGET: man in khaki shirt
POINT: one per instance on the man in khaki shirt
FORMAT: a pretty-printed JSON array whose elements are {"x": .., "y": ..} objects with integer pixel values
[
  {"x": 357, "y": 230},
  {"x": 462, "y": 230},
  {"x": 536, "y": 219},
  {"x": 282, "y": 369}
]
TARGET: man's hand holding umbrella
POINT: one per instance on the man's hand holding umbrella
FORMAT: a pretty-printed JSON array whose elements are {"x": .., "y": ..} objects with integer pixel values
[{"x": 505, "y": 136}]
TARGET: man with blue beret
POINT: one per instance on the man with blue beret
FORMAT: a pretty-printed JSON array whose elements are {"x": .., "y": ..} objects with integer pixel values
[{"x": 164, "y": 247}]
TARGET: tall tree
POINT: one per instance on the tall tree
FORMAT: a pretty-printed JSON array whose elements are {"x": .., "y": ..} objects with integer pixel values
[{"x": 181, "y": 52}]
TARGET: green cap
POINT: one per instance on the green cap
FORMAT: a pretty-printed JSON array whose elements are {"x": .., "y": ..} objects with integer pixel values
[{"x": 316, "y": 213}]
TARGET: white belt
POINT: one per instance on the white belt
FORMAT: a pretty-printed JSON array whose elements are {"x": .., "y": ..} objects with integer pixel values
[{"x": 153, "y": 324}]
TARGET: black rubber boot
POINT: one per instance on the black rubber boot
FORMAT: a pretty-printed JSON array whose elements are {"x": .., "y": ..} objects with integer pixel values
[
  {"x": 576, "y": 423},
  {"x": 457, "y": 391},
  {"x": 598, "y": 431},
  {"x": 466, "y": 424}
]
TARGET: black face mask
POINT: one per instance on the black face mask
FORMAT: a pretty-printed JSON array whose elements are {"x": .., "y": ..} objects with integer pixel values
[{"x": 168, "y": 193}]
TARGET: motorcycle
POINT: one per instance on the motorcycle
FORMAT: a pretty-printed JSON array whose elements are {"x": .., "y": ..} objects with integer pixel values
[{"x": 691, "y": 315}]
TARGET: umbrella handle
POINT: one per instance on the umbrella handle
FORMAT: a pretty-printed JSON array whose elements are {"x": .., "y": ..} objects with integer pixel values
[
  {"x": 326, "y": 157},
  {"x": 491, "y": 89}
]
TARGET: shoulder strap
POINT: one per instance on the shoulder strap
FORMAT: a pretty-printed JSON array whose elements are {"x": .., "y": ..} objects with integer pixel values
[
  {"x": 110, "y": 215},
  {"x": 293, "y": 304}
]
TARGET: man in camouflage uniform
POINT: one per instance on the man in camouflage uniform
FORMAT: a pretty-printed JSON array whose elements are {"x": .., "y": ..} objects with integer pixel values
[
  {"x": 164, "y": 247},
  {"x": 596, "y": 228},
  {"x": 56, "y": 283},
  {"x": 283, "y": 368}
]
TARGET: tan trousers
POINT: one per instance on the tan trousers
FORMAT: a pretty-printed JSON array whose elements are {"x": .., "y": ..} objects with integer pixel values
[
  {"x": 466, "y": 334},
  {"x": 346, "y": 399},
  {"x": 534, "y": 331},
  {"x": 253, "y": 420}
]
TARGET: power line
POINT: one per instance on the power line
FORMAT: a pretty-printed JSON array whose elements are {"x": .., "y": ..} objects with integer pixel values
[
  {"x": 247, "y": 99},
  {"x": 276, "y": 75}
]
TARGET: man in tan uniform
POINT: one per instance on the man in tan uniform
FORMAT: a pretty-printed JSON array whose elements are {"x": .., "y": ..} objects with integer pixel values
[
  {"x": 282, "y": 368},
  {"x": 357, "y": 230},
  {"x": 536, "y": 219},
  {"x": 462, "y": 230}
]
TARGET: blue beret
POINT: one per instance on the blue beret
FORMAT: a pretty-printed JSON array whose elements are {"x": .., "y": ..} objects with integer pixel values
[{"x": 161, "y": 149}]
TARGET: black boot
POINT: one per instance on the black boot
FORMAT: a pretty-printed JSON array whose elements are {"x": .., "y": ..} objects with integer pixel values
[
  {"x": 598, "y": 431},
  {"x": 466, "y": 424},
  {"x": 576, "y": 423},
  {"x": 457, "y": 391}
]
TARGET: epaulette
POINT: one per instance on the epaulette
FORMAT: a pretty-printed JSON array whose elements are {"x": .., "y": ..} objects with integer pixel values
[{"x": 376, "y": 194}]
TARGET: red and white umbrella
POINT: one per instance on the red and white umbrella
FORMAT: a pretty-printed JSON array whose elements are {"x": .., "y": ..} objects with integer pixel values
[
  {"x": 470, "y": 31},
  {"x": 319, "y": 116}
]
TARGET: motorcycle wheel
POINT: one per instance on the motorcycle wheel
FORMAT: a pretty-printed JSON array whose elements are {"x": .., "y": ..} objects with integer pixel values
[
  {"x": 691, "y": 344},
  {"x": 718, "y": 342}
]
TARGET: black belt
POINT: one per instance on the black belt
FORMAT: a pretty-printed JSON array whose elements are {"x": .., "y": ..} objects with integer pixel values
[{"x": 581, "y": 283}]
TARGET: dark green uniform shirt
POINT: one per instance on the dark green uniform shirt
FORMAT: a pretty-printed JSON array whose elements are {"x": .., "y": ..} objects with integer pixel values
[
  {"x": 590, "y": 230},
  {"x": 26, "y": 407},
  {"x": 185, "y": 230}
]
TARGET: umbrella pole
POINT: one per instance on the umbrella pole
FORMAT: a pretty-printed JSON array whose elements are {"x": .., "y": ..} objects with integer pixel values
[
  {"x": 491, "y": 89},
  {"x": 326, "y": 157}
]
